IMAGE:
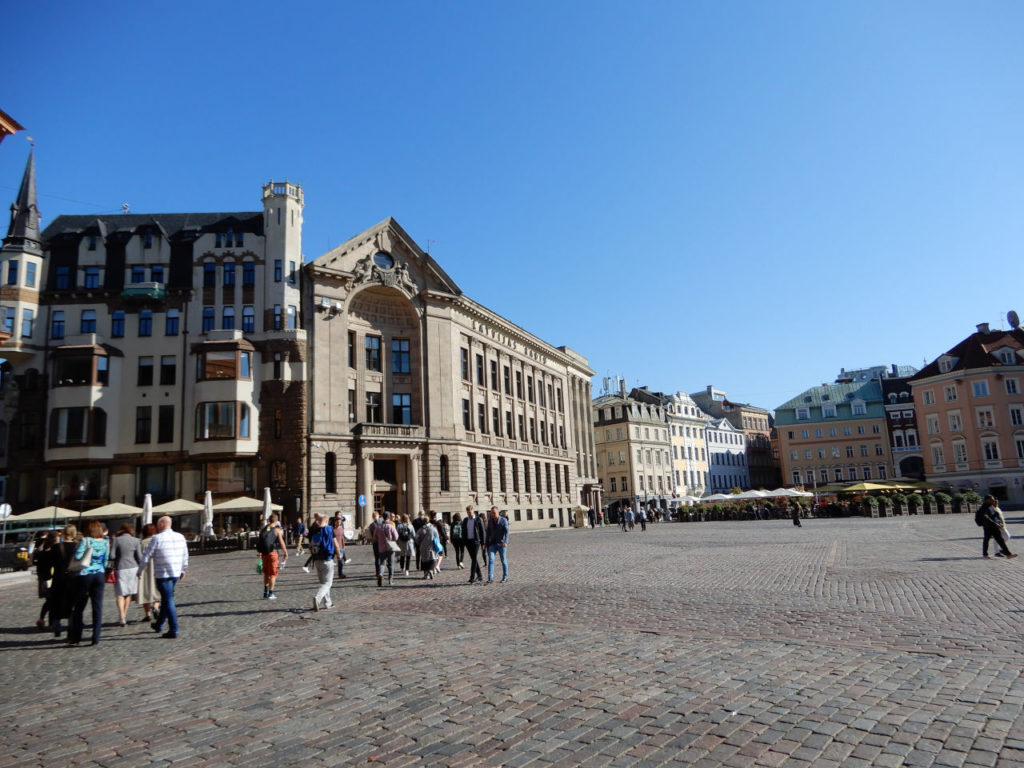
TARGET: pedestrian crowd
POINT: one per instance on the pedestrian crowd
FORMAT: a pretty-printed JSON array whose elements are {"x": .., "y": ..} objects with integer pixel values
[{"x": 73, "y": 569}]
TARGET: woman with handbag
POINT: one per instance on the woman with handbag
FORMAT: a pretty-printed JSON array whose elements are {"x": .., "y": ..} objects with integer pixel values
[
  {"x": 148, "y": 595},
  {"x": 125, "y": 555},
  {"x": 88, "y": 568},
  {"x": 62, "y": 585},
  {"x": 385, "y": 537}
]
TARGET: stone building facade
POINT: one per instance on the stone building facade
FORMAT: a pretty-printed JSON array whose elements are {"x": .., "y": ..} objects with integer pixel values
[
  {"x": 424, "y": 399},
  {"x": 153, "y": 353}
]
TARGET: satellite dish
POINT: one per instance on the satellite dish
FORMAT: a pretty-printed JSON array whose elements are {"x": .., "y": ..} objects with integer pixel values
[{"x": 1013, "y": 319}]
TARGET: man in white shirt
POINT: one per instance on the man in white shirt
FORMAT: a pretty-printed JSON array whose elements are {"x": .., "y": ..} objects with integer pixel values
[{"x": 169, "y": 552}]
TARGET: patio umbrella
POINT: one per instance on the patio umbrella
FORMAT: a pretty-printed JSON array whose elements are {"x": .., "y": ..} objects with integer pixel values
[
  {"x": 208, "y": 514},
  {"x": 244, "y": 504},
  {"x": 147, "y": 509},
  {"x": 107, "y": 511},
  {"x": 45, "y": 513},
  {"x": 718, "y": 497},
  {"x": 177, "y": 507},
  {"x": 266, "y": 505}
]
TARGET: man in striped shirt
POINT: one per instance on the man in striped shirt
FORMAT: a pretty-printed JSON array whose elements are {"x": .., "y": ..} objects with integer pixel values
[{"x": 169, "y": 552}]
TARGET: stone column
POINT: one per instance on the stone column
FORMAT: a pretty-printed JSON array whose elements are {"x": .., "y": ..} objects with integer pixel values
[
  {"x": 365, "y": 488},
  {"x": 412, "y": 472}
]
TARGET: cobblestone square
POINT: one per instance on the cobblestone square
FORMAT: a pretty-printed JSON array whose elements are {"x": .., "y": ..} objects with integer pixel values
[{"x": 846, "y": 642}]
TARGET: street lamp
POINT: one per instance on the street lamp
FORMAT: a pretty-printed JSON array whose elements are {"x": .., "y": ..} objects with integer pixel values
[
  {"x": 56, "y": 496},
  {"x": 81, "y": 503}
]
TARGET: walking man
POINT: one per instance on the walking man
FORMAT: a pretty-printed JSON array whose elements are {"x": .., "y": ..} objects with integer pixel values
[
  {"x": 169, "y": 552},
  {"x": 990, "y": 518},
  {"x": 271, "y": 539},
  {"x": 497, "y": 545},
  {"x": 321, "y": 547},
  {"x": 473, "y": 533}
]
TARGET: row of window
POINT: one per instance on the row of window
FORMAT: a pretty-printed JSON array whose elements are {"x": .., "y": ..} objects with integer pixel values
[
  {"x": 172, "y": 321},
  {"x": 539, "y": 479},
  {"x": 372, "y": 354},
  {"x": 985, "y": 418},
  {"x": 89, "y": 370},
  {"x": 227, "y": 420},
  {"x": 401, "y": 407},
  {"x": 876, "y": 429},
  {"x": 989, "y": 450},
  {"x": 729, "y": 459},
  {"x": 546, "y": 394},
  {"x": 857, "y": 408},
  {"x": 30, "y": 273},
  {"x": 727, "y": 482},
  {"x": 794, "y": 455},
  {"x": 839, "y": 475},
  {"x": 978, "y": 388},
  {"x": 547, "y": 433}
]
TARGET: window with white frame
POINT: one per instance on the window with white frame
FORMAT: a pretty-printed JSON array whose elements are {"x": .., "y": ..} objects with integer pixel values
[
  {"x": 928, "y": 397},
  {"x": 932, "y": 423},
  {"x": 1012, "y": 387},
  {"x": 980, "y": 388},
  {"x": 828, "y": 411},
  {"x": 938, "y": 455},
  {"x": 960, "y": 452},
  {"x": 955, "y": 422},
  {"x": 990, "y": 448},
  {"x": 803, "y": 414},
  {"x": 986, "y": 418},
  {"x": 949, "y": 391},
  {"x": 1017, "y": 415}
]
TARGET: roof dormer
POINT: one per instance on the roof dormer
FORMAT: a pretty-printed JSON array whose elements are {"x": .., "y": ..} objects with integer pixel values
[{"x": 947, "y": 363}]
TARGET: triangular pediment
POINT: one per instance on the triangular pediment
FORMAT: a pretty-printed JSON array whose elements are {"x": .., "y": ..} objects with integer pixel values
[{"x": 385, "y": 254}]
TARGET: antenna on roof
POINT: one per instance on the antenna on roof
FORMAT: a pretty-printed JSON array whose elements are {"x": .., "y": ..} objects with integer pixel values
[
  {"x": 1013, "y": 319},
  {"x": 125, "y": 208}
]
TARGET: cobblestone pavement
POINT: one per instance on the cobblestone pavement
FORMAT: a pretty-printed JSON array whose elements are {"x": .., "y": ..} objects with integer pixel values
[{"x": 885, "y": 642}]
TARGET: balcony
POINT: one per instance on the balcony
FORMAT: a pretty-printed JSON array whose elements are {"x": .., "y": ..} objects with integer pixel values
[
  {"x": 14, "y": 349},
  {"x": 145, "y": 292},
  {"x": 390, "y": 431}
]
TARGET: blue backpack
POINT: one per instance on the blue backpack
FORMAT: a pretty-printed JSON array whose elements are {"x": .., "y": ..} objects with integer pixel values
[{"x": 322, "y": 545}]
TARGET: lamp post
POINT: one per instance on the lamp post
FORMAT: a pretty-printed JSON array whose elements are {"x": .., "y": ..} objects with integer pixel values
[
  {"x": 56, "y": 496},
  {"x": 81, "y": 503}
]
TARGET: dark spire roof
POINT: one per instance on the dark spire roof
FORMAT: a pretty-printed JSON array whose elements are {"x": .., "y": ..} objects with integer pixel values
[{"x": 23, "y": 232}]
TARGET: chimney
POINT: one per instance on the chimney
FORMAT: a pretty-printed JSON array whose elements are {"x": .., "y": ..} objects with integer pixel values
[
  {"x": 982, "y": 327},
  {"x": 622, "y": 388}
]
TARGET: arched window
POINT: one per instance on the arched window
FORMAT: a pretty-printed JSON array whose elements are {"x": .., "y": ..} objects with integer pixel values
[
  {"x": 443, "y": 473},
  {"x": 330, "y": 473},
  {"x": 146, "y": 322},
  {"x": 228, "y": 321},
  {"x": 209, "y": 318},
  {"x": 248, "y": 319}
]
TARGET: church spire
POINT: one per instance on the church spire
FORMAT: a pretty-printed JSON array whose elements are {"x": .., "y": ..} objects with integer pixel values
[{"x": 23, "y": 232}]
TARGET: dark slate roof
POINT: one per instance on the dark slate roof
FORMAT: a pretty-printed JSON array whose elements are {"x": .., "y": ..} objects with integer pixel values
[
  {"x": 171, "y": 223},
  {"x": 976, "y": 351}
]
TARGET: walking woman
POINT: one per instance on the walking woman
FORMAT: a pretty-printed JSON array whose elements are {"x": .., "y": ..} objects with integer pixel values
[
  {"x": 457, "y": 539},
  {"x": 405, "y": 541},
  {"x": 62, "y": 583},
  {"x": 386, "y": 539},
  {"x": 89, "y": 582},
  {"x": 428, "y": 547},
  {"x": 148, "y": 596},
  {"x": 125, "y": 555}
]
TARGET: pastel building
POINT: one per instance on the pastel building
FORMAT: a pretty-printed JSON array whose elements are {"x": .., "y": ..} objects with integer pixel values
[{"x": 970, "y": 408}]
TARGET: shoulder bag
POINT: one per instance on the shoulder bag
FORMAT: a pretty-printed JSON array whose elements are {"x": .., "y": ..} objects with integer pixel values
[{"x": 78, "y": 564}]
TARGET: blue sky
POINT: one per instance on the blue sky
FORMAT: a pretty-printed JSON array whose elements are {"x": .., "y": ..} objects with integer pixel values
[{"x": 746, "y": 194}]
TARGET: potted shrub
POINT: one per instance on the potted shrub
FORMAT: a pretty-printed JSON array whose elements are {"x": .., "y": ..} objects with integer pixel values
[
  {"x": 899, "y": 503},
  {"x": 971, "y": 499},
  {"x": 942, "y": 501},
  {"x": 884, "y": 505},
  {"x": 916, "y": 503},
  {"x": 871, "y": 506}
]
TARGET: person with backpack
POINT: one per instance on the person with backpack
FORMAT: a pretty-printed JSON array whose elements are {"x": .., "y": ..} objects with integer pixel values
[
  {"x": 405, "y": 542},
  {"x": 322, "y": 549},
  {"x": 458, "y": 542},
  {"x": 386, "y": 539},
  {"x": 991, "y": 520},
  {"x": 269, "y": 540}
]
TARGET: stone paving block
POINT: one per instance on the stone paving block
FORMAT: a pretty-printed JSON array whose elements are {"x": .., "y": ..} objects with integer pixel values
[{"x": 879, "y": 648}]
